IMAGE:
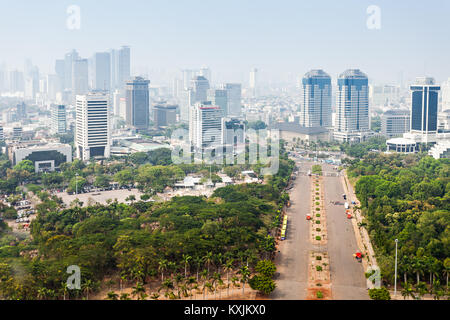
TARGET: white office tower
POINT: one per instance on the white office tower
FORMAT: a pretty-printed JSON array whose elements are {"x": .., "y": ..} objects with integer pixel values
[
  {"x": 68, "y": 67},
  {"x": 80, "y": 81},
  {"x": 316, "y": 108},
  {"x": 394, "y": 123},
  {"x": 101, "y": 65},
  {"x": 352, "y": 107},
  {"x": 92, "y": 135},
  {"x": 124, "y": 70},
  {"x": 205, "y": 126},
  {"x": 120, "y": 67},
  {"x": 53, "y": 86},
  {"x": 188, "y": 74},
  {"x": 116, "y": 102},
  {"x": 59, "y": 119},
  {"x": 234, "y": 97},
  {"x": 253, "y": 81},
  {"x": 445, "y": 95},
  {"x": 218, "y": 97}
]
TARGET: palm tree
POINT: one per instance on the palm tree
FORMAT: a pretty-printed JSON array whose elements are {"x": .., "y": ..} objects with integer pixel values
[
  {"x": 154, "y": 296},
  {"x": 112, "y": 296},
  {"x": 186, "y": 259},
  {"x": 208, "y": 258},
  {"x": 42, "y": 293},
  {"x": 219, "y": 260},
  {"x": 418, "y": 267},
  {"x": 408, "y": 291},
  {"x": 228, "y": 268},
  {"x": 447, "y": 268},
  {"x": 162, "y": 267},
  {"x": 172, "y": 266},
  {"x": 88, "y": 286},
  {"x": 125, "y": 296},
  {"x": 167, "y": 285},
  {"x": 245, "y": 273},
  {"x": 190, "y": 282},
  {"x": 198, "y": 260},
  {"x": 122, "y": 279},
  {"x": 64, "y": 289},
  {"x": 139, "y": 291}
]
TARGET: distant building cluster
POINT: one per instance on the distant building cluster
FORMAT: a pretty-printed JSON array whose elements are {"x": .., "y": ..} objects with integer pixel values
[{"x": 110, "y": 111}]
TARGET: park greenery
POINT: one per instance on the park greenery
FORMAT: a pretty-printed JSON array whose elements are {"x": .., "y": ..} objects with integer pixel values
[
  {"x": 407, "y": 197},
  {"x": 188, "y": 244}
]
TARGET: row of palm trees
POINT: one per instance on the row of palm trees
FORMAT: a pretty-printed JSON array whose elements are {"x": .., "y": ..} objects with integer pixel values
[{"x": 181, "y": 285}]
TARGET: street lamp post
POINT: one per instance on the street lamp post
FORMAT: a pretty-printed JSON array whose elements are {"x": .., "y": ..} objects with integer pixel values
[
  {"x": 76, "y": 183},
  {"x": 395, "y": 279}
]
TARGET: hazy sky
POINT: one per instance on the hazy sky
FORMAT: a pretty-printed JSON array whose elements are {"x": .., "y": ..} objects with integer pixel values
[{"x": 282, "y": 38}]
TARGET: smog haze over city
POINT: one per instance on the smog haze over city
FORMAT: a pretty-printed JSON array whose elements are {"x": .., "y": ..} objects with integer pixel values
[{"x": 280, "y": 38}]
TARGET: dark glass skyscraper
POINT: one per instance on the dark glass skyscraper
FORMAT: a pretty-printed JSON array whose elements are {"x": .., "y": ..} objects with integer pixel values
[
  {"x": 138, "y": 103},
  {"x": 424, "y": 109}
]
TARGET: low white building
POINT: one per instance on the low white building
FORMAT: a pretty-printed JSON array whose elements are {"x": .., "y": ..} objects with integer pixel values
[
  {"x": 45, "y": 157},
  {"x": 401, "y": 145}
]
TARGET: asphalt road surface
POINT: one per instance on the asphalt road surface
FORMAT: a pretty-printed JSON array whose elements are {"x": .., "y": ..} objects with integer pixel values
[
  {"x": 292, "y": 260},
  {"x": 347, "y": 275}
]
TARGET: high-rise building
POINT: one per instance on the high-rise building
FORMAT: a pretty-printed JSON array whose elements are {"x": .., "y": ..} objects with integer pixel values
[
  {"x": 17, "y": 133},
  {"x": 199, "y": 87},
  {"x": 16, "y": 81},
  {"x": 164, "y": 115},
  {"x": 52, "y": 86},
  {"x": 233, "y": 132},
  {"x": 21, "y": 109},
  {"x": 446, "y": 95},
  {"x": 352, "y": 106},
  {"x": 124, "y": 66},
  {"x": 2, "y": 135},
  {"x": 68, "y": 68},
  {"x": 205, "y": 126},
  {"x": 424, "y": 110},
  {"x": 218, "y": 97},
  {"x": 316, "y": 108},
  {"x": 383, "y": 95},
  {"x": 206, "y": 73},
  {"x": 102, "y": 71},
  {"x": 80, "y": 80},
  {"x": 187, "y": 77},
  {"x": 59, "y": 70},
  {"x": 234, "y": 97},
  {"x": 253, "y": 81},
  {"x": 395, "y": 123},
  {"x": 138, "y": 103},
  {"x": 92, "y": 132},
  {"x": 59, "y": 122}
]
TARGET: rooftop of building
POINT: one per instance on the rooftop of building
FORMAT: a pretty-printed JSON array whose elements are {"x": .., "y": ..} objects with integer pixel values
[
  {"x": 397, "y": 112},
  {"x": 297, "y": 128},
  {"x": 401, "y": 141},
  {"x": 316, "y": 73},
  {"x": 353, "y": 73}
]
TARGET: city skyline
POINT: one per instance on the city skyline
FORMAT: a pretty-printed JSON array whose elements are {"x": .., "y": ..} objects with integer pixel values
[{"x": 239, "y": 38}]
